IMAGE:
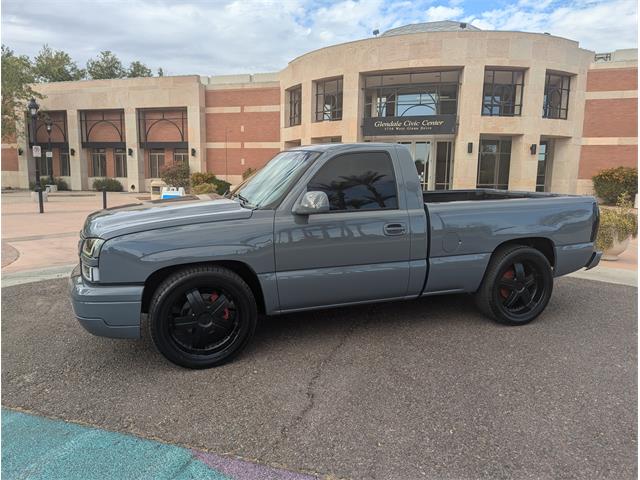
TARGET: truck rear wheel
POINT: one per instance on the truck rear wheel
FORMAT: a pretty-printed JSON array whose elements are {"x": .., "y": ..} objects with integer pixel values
[
  {"x": 517, "y": 285},
  {"x": 202, "y": 316}
]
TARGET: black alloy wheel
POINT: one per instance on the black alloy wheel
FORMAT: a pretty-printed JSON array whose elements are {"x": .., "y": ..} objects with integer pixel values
[
  {"x": 202, "y": 316},
  {"x": 517, "y": 285}
]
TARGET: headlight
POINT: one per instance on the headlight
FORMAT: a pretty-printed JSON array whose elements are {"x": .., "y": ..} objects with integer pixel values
[{"x": 91, "y": 247}]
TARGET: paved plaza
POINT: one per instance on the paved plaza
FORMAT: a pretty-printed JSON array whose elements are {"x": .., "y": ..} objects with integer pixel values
[{"x": 421, "y": 389}]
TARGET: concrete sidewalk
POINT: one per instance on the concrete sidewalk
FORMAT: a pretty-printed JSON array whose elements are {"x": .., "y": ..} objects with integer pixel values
[{"x": 32, "y": 241}]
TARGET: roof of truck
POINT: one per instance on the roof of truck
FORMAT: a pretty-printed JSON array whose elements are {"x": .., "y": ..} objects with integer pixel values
[{"x": 324, "y": 147}]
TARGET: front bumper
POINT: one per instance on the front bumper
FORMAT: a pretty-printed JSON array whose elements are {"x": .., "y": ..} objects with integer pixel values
[{"x": 106, "y": 310}]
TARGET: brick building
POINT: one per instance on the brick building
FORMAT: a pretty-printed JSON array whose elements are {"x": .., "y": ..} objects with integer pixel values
[{"x": 476, "y": 108}]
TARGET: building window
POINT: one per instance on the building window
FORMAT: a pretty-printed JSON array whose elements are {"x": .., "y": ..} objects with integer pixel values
[
  {"x": 181, "y": 155},
  {"x": 494, "y": 159},
  {"x": 98, "y": 162},
  {"x": 543, "y": 165},
  {"x": 556, "y": 96},
  {"x": 45, "y": 165},
  {"x": 357, "y": 181},
  {"x": 329, "y": 100},
  {"x": 502, "y": 94},
  {"x": 412, "y": 94},
  {"x": 156, "y": 162},
  {"x": 295, "y": 105},
  {"x": 121, "y": 162},
  {"x": 65, "y": 164}
]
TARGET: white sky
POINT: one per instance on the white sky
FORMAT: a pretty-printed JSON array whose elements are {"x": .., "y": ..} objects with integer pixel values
[{"x": 210, "y": 37}]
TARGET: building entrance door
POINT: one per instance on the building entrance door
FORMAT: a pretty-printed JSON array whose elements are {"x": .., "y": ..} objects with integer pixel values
[{"x": 433, "y": 162}]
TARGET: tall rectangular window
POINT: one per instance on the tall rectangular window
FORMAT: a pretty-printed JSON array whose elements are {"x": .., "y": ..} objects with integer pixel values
[
  {"x": 181, "y": 155},
  {"x": 295, "y": 105},
  {"x": 543, "y": 165},
  {"x": 156, "y": 162},
  {"x": 494, "y": 159},
  {"x": 502, "y": 93},
  {"x": 45, "y": 165},
  {"x": 556, "y": 96},
  {"x": 65, "y": 165},
  {"x": 98, "y": 162},
  {"x": 121, "y": 162},
  {"x": 329, "y": 100}
]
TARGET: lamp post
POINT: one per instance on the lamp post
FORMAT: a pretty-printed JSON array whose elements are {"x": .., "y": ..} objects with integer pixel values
[
  {"x": 33, "y": 111},
  {"x": 49, "y": 125}
]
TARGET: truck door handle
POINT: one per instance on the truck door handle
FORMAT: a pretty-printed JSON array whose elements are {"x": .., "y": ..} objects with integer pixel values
[{"x": 395, "y": 229}]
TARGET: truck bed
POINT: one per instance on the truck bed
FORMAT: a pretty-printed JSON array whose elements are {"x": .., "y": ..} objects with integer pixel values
[{"x": 445, "y": 196}]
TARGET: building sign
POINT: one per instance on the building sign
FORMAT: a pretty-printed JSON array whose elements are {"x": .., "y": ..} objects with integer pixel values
[
  {"x": 37, "y": 151},
  {"x": 422, "y": 125}
]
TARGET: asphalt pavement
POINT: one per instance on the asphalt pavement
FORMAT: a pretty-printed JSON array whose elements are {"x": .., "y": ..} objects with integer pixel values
[{"x": 421, "y": 389}]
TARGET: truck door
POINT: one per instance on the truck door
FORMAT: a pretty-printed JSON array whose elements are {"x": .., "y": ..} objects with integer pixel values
[{"x": 358, "y": 250}]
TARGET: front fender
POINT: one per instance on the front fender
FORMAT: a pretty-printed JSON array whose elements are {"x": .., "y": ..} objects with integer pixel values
[{"x": 134, "y": 257}]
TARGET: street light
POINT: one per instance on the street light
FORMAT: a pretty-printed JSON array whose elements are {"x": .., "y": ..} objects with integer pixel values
[
  {"x": 33, "y": 111},
  {"x": 49, "y": 126}
]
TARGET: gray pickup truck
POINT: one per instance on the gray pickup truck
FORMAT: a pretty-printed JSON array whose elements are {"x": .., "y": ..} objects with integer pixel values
[{"x": 317, "y": 227}]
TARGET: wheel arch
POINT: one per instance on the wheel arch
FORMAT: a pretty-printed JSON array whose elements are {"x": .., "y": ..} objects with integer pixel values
[
  {"x": 543, "y": 244},
  {"x": 240, "y": 268}
]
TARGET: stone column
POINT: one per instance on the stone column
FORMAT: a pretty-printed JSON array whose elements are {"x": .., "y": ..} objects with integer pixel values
[
  {"x": 78, "y": 162},
  {"x": 135, "y": 162},
  {"x": 465, "y": 165},
  {"x": 26, "y": 163},
  {"x": 196, "y": 125},
  {"x": 524, "y": 164}
]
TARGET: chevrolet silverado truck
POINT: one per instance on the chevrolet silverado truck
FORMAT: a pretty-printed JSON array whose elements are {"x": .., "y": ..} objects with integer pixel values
[{"x": 320, "y": 226}]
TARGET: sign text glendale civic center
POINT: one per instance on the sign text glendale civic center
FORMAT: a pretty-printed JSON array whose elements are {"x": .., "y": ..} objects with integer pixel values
[{"x": 419, "y": 125}]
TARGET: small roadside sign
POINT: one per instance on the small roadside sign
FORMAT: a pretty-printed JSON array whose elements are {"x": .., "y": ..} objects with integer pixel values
[
  {"x": 37, "y": 151},
  {"x": 49, "y": 154}
]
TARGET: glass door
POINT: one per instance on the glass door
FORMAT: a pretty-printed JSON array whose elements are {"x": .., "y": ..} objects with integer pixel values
[
  {"x": 420, "y": 152},
  {"x": 442, "y": 166}
]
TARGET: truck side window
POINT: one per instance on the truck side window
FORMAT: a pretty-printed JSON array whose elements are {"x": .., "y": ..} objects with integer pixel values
[{"x": 358, "y": 181}]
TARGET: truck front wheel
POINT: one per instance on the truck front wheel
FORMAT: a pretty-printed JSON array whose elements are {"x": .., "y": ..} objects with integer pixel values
[
  {"x": 517, "y": 285},
  {"x": 202, "y": 316}
]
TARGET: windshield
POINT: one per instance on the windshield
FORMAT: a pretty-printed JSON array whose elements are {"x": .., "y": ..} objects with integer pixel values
[{"x": 267, "y": 185}]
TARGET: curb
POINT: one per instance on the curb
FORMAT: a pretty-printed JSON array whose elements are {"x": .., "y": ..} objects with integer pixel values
[
  {"x": 618, "y": 276},
  {"x": 30, "y": 276}
]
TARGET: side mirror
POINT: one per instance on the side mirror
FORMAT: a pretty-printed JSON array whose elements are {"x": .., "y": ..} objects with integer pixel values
[{"x": 312, "y": 202}]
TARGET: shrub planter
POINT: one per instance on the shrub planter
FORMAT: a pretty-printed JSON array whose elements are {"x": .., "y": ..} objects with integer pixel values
[
  {"x": 617, "y": 226},
  {"x": 618, "y": 247}
]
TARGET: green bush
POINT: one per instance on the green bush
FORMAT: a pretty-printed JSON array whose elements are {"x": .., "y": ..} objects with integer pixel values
[
  {"x": 611, "y": 183},
  {"x": 203, "y": 188},
  {"x": 62, "y": 185},
  {"x": 220, "y": 186},
  {"x": 108, "y": 184},
  {"x": 617, "y": 222},
  {"x": 202, "y": 177},
  {"x": 176, "y": 175}
]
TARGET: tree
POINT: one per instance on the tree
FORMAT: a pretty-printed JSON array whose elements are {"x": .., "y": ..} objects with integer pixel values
[
  {"x": 55, "y": 66},
  {"x": 138, "y": 69},
  {"x": 17, "y": 75},
  {"x": 105, "y": 66},
  {"x": 160, "y": 72}
]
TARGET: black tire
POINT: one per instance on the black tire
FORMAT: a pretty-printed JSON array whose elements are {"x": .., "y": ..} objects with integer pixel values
[
  {"x": 202, "y": 316},
  {"x": 517, "y": 285}
]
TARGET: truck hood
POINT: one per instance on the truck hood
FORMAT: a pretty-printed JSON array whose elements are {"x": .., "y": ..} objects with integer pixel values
[{"x": 134, "y": 218}]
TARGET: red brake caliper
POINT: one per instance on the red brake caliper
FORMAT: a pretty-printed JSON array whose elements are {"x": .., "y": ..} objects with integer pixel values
[
  {"x": 214, "y": 297},
  {"x": 509, "y": 275}
]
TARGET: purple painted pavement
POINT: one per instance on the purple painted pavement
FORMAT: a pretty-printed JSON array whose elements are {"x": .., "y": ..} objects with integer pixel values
[{"x": 244, "y": 470}]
